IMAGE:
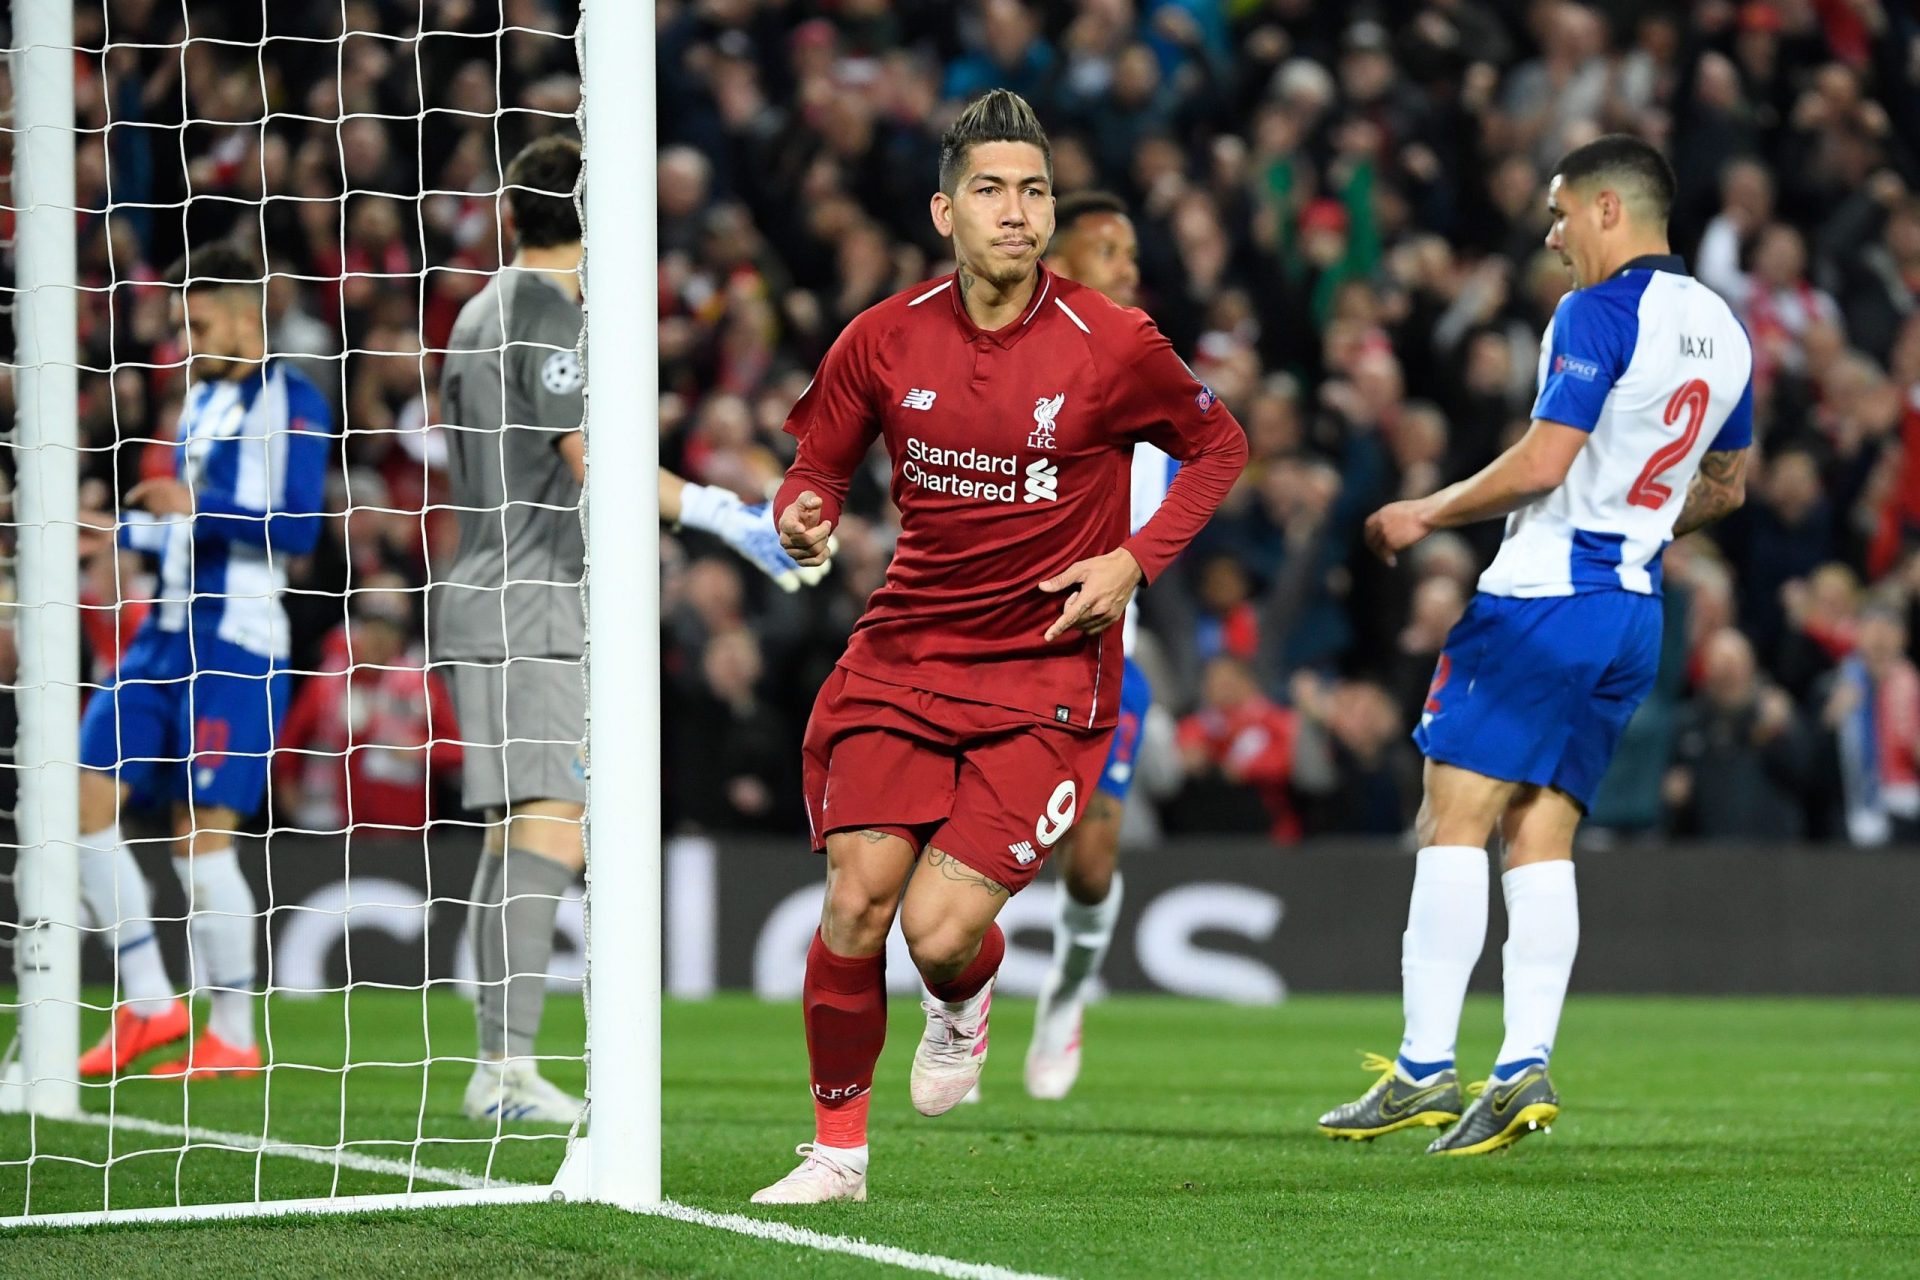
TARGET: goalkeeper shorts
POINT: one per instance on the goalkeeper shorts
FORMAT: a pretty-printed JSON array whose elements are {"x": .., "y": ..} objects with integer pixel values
[{"x": 523, "y": 731}]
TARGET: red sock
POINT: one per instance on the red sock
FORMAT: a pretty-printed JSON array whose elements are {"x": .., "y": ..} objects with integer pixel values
[
  {"x": 993, "y": 949},
  {"x": 845, "y": 999}
]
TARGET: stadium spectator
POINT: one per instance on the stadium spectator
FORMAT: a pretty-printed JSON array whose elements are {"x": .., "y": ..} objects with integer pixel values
[
  {"x": 1873, "y": 709},
  {"x": 1780, "y": 306},
  {"x": 1787, "y": 534},
  {"x": 1373, "y": 785},
  {"x": 1746, "y": 205},
  {"x": 1823, "y": 623},
  {"x": 1243, "y": 757},
  {"x": 1741, "y": 757},
  {"x": 1329, "y": 201},
  {"x": 1227, "y": 622},
  {"x": 730, "y": 752},
  {"x": 1438, "y": 603},
  {"x": 368, "y": 738}
]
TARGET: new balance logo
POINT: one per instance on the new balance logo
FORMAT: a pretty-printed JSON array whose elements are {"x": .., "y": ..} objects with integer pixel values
[
  {"x": 1043, "y": 481},
  {"x": 1022, "y": 852},
  {"x": 918, "y": 399}
]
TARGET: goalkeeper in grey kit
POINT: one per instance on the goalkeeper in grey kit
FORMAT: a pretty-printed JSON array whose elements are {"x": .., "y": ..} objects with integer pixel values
[{"x": 506, "y": 620}]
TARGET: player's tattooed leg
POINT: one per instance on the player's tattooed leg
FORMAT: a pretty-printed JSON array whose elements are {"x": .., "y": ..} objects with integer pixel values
[
  {"x": 874, "y": 837},
  {"x": 953, "y": 869}
]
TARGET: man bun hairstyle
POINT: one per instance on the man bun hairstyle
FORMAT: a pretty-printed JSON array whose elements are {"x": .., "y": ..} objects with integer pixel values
[
  {"x": 1069, "y": 209},
  {"x": 541, "y": 184},
  {"x": 1630, "y": 166},
  {"x": 999, "y": 115}
]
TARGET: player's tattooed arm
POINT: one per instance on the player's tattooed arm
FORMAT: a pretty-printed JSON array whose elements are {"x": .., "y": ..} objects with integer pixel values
[
  {"x": 1719, "y": 488},
  {"x": 954, "y": 869}
]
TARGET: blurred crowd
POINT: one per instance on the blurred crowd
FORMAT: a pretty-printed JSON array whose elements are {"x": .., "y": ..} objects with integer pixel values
[
  {"x": 1340, "y": 211},
  {"x": 362, "y": 172}
]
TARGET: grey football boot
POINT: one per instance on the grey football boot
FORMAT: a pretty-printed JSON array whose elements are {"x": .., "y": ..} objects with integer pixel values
[
  {"x": 1501, "y": 1115},
  {"x": 1394, "y": 1103}
]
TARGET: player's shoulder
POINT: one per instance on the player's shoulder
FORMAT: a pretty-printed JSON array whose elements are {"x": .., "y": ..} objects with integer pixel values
[
  {"x": 298, "y": 383},
  {"x": 307, "y": 405},
  {"x": 477, "y": 314},
  {"x": 920, "y": 303},
  {"x": 1656, "y": 305},
  {"x": 1613, "y": 301},
  {"x": 1106, "y": 322},
  {"x": 535, "y": 302},
  {"x": 1699, "y": 303},
  {"x": 1603, "y": 320}
]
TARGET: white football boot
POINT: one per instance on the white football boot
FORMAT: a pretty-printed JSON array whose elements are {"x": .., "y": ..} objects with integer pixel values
[
  {"x": 947, "y": 1064},
  {"x": 1053, "y": 1056},
  {"x": 819, "y": 1178},
  {"x": 516, "y": 1091}
]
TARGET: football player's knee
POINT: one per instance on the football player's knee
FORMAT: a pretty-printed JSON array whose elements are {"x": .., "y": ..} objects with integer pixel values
[
  {"x": 1451, "y": 824},
  {"x": 857, "y": 915},
  {"x": 942, "y": 950}
]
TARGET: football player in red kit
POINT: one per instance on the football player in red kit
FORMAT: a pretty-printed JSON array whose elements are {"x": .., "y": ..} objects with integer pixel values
[{"x": 954, "y": 743}]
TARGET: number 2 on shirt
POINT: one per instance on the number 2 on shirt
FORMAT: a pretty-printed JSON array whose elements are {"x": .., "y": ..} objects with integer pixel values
[{"x": 1690, "y": 399}]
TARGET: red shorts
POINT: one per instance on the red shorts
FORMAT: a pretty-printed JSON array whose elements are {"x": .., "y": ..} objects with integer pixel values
[{"x": 993, "y": 787}]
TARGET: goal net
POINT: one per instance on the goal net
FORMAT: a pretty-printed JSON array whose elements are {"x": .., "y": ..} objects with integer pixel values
[{"x": 282, "y": 334}]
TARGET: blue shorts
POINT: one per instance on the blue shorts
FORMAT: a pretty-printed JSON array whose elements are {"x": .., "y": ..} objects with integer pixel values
[
  {"x": 1136, "y": 695},
  {"x": 187, "y": 718},
  {"x": 1540, "y": 690}
]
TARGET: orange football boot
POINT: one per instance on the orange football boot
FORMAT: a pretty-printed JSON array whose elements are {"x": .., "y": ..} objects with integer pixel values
[
  {"x": 214, "y": 1057},
  {"x": 132, "y": 1035}
]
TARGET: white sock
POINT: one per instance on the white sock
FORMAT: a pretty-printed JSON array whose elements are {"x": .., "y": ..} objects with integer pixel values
[
  {"x": 1543, "y": 933},
  {"x": 116, "y": 896},
  {"x": 854, "y": 1158},
  {"x": 221, "y": 926},
  {"x": 1446, "y": 928},
  {"x": 1081, "y": 936},
  {"x": 702, "y": 506}
]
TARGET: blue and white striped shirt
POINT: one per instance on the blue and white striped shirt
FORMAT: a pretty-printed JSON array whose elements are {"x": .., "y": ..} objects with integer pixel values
[
  {"x": 1656, "y": 368},
  {"x": 255, "y": 454}
]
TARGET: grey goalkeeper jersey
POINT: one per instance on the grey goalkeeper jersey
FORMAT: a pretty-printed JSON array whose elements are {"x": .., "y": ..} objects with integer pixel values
[{"x": 509, "y": 390}]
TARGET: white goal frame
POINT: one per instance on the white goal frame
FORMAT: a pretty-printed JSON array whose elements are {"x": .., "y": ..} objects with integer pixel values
[{"x": 617, "y": 1161}]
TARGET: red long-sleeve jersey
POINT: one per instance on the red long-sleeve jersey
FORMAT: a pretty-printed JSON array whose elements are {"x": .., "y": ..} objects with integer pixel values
[{"x": 1011, "y": 458}]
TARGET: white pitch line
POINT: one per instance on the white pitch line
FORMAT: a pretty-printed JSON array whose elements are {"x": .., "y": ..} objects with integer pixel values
[
  {"x": 738, "y": 1224},
  {"x": 786, "y": 1233},
  {"x": 313, "y": 1153}
]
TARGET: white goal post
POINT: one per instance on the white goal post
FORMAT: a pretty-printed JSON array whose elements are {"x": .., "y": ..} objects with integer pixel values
[
  {"x": 75, "y": 1129},
  {"x": 623, "y": 392},
  {"x": 43, "y": 1077}
]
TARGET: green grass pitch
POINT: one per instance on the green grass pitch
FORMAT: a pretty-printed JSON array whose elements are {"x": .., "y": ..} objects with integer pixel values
[{"x": 1698, "y": 1137}]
